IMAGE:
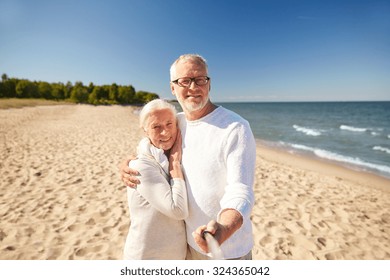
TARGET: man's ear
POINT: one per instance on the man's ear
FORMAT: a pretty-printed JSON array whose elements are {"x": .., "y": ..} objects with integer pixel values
[{"x": 173, "y": 89}]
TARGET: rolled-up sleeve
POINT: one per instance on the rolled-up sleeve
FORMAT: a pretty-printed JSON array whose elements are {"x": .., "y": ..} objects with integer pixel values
[{"x": 240, "y": 157}]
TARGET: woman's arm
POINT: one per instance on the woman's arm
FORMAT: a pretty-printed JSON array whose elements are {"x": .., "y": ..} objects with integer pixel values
[{"x": 171, "y": 200}]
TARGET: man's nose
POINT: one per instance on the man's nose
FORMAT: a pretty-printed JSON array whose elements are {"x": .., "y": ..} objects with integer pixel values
[{"x": 193, "y": 85}]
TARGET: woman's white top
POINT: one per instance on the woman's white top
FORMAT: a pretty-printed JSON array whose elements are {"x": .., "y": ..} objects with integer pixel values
[{"x": 157, "y": 209}]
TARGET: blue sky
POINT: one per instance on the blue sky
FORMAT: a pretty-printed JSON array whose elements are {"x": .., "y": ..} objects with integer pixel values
[{"x": 257, "y": 50}]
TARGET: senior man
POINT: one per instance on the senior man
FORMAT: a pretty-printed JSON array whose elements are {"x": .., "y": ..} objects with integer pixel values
[{"x": 219, "y": 154}]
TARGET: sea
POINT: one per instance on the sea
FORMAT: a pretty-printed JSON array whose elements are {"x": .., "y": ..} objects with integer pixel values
[{"x": 353, "y": 134}]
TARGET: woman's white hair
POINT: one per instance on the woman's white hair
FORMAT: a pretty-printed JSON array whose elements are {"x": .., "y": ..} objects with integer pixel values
[{"x": 156, "y": 104}]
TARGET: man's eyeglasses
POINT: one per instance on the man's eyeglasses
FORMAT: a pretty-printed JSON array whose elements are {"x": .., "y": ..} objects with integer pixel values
[{"x": 186, "y": 82}]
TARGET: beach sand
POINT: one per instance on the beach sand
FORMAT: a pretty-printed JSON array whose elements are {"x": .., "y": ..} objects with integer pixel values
[{"x": 61, "y": 196}]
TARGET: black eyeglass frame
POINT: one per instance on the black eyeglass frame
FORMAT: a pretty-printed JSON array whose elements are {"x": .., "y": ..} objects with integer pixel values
[{"x": 191, "y": 80}]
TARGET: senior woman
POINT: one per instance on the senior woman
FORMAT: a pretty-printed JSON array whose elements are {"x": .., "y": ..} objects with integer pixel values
[{"x": 159, "y": 203}]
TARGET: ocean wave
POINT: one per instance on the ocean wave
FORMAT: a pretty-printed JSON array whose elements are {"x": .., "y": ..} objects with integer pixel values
[
  {"x": 300, "y": 147},
  {"x": 382, "y": 149},
  {"x": 351, "y": 128},
  {"x": 340, "y": 158},
  {"x": 307, "y": 131}
]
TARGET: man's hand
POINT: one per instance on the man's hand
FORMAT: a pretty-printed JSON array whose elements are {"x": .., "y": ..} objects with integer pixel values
[
  {"x": 211, "y": 227},
  {"x": 229, "y": 222},
  {"x": 128, "y": 175}
]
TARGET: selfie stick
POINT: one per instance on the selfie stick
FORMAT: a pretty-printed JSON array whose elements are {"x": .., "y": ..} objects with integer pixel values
[{"x": 212, "y": 244}]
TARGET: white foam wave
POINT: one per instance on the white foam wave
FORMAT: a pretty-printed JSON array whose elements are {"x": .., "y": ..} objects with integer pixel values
[
  {"x": 302, "y": 147},
  {"x": 307, "y": 131},
  {"x": 382, "y": 149},
  {"x": 340, "y": 158},
  {"x": 351, "y": 128}
]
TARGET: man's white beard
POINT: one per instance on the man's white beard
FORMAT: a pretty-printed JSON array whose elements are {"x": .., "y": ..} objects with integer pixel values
[{"x": 192, "y": 106}]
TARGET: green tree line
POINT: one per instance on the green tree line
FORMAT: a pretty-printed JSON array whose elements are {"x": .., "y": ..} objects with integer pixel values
[{"x": 78, "y": 93}]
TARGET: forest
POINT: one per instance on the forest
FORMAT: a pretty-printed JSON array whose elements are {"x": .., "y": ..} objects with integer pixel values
[{"x": 77, "y": 92}]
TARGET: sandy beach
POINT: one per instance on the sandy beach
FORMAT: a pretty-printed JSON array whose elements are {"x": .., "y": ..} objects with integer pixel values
[{"x": 61, "y": 196}]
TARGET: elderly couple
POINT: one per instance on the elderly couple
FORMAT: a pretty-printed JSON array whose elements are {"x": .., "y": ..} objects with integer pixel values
[{"x": 193, "y": 173}]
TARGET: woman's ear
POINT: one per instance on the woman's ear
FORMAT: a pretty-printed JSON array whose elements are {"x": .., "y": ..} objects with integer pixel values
[{"x": 145, "y": 132}]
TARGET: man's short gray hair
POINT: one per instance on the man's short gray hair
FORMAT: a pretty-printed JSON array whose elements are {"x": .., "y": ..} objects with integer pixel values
[
  {"x": 156, "y": 104},
  {"x": 187, "y": 57}
]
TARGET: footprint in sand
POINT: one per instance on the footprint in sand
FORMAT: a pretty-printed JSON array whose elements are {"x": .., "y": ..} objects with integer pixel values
[
  {"x": 294, "y": 227},
  {"x": 54, "y": 253},
  {"x": 10, "y": 248},
  {"x": 74, "y": 227},
  {"x": 29, "y": 231},
  {"x": 107, "y": 229},
  {"x": 124, "y": 228},
  {"x": 322, "y": 241},
  {"x": 337, "y": 255},
  {"x": 266, "y": 240},
  {"x": 91, "y": 222},
  {"x": 303, "y": 242},
  {"x": 2, "y": 235},
  {"x": 84, "y": 251},
  {"x": 105, "y": 212}
]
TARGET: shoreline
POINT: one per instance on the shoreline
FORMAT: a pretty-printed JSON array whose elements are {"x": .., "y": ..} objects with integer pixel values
[{"x": 323, "y": 166}]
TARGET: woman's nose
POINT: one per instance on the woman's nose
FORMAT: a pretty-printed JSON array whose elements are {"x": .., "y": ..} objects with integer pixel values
[{"x": 164, "y": 131}]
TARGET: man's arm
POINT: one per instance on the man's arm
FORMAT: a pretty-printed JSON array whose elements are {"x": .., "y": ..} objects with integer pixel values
[
  {"x": 230, "y": 220},
  {"x": 128, "y": 175},
  {"x": 238, "y": 198}
]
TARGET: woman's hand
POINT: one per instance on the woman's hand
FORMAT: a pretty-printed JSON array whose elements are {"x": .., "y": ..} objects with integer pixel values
[{"x": 175, "y": 155}]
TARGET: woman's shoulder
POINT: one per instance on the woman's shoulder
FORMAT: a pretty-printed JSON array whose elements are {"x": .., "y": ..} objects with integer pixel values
[
  {"x": 149, "y": 170},
  {"x": 143, "y": 162}
]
